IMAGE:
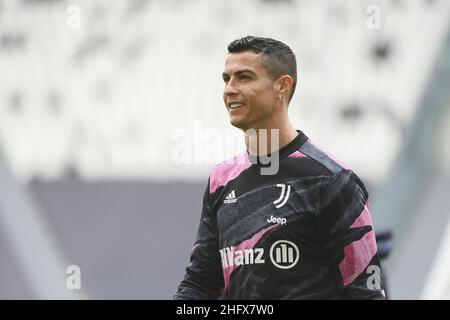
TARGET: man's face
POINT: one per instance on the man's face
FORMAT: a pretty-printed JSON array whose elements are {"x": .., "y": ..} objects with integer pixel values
[{"x": 250, "y": 95}]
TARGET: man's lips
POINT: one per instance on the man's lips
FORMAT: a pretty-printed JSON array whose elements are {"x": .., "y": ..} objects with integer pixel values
[{"x": 235, "y": 105}]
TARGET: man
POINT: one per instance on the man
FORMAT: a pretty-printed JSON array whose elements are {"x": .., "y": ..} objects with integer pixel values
[{"x": 302, "y": 232}]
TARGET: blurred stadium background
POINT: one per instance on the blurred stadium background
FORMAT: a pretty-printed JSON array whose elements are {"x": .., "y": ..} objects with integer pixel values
[{"x": 93, "y": 95}]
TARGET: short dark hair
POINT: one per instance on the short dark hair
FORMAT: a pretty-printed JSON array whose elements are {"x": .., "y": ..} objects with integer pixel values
[{"x": 280, "y": 59}]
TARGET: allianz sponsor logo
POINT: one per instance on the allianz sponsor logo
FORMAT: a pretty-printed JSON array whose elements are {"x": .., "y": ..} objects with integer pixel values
[
  {"x": 283, "y": 254},
  {"x": 235, "y": 257}
]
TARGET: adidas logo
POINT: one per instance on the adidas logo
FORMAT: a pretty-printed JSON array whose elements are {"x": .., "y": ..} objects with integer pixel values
[{"x": 231, "y": 198}]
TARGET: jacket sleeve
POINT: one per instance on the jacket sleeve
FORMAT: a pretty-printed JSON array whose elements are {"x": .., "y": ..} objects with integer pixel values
[
  {"x": 203, "y": 279},
  {"x": 347, "y": 232}
]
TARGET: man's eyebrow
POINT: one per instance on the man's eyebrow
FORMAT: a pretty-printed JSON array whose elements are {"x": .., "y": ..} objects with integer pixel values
[{"x": 238, "y": 72}]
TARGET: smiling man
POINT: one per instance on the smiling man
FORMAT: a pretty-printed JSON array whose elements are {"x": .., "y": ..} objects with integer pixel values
[
  {"x": 259, "y": 84},
  {"x": 302, "y": 232}
]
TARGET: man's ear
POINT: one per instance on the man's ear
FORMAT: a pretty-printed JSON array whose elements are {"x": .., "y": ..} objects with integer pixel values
[{"x": 285, "y": 83}]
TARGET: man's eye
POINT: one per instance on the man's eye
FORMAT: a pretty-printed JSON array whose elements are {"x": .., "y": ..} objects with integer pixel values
[{"x": 244, "y": 77}]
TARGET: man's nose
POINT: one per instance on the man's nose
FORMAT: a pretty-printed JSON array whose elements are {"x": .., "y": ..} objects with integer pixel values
[{"x": 230, "y": 89}]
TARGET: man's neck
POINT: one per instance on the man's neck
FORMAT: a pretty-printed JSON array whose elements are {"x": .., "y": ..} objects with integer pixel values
[{"x": 265, "y": 141}]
